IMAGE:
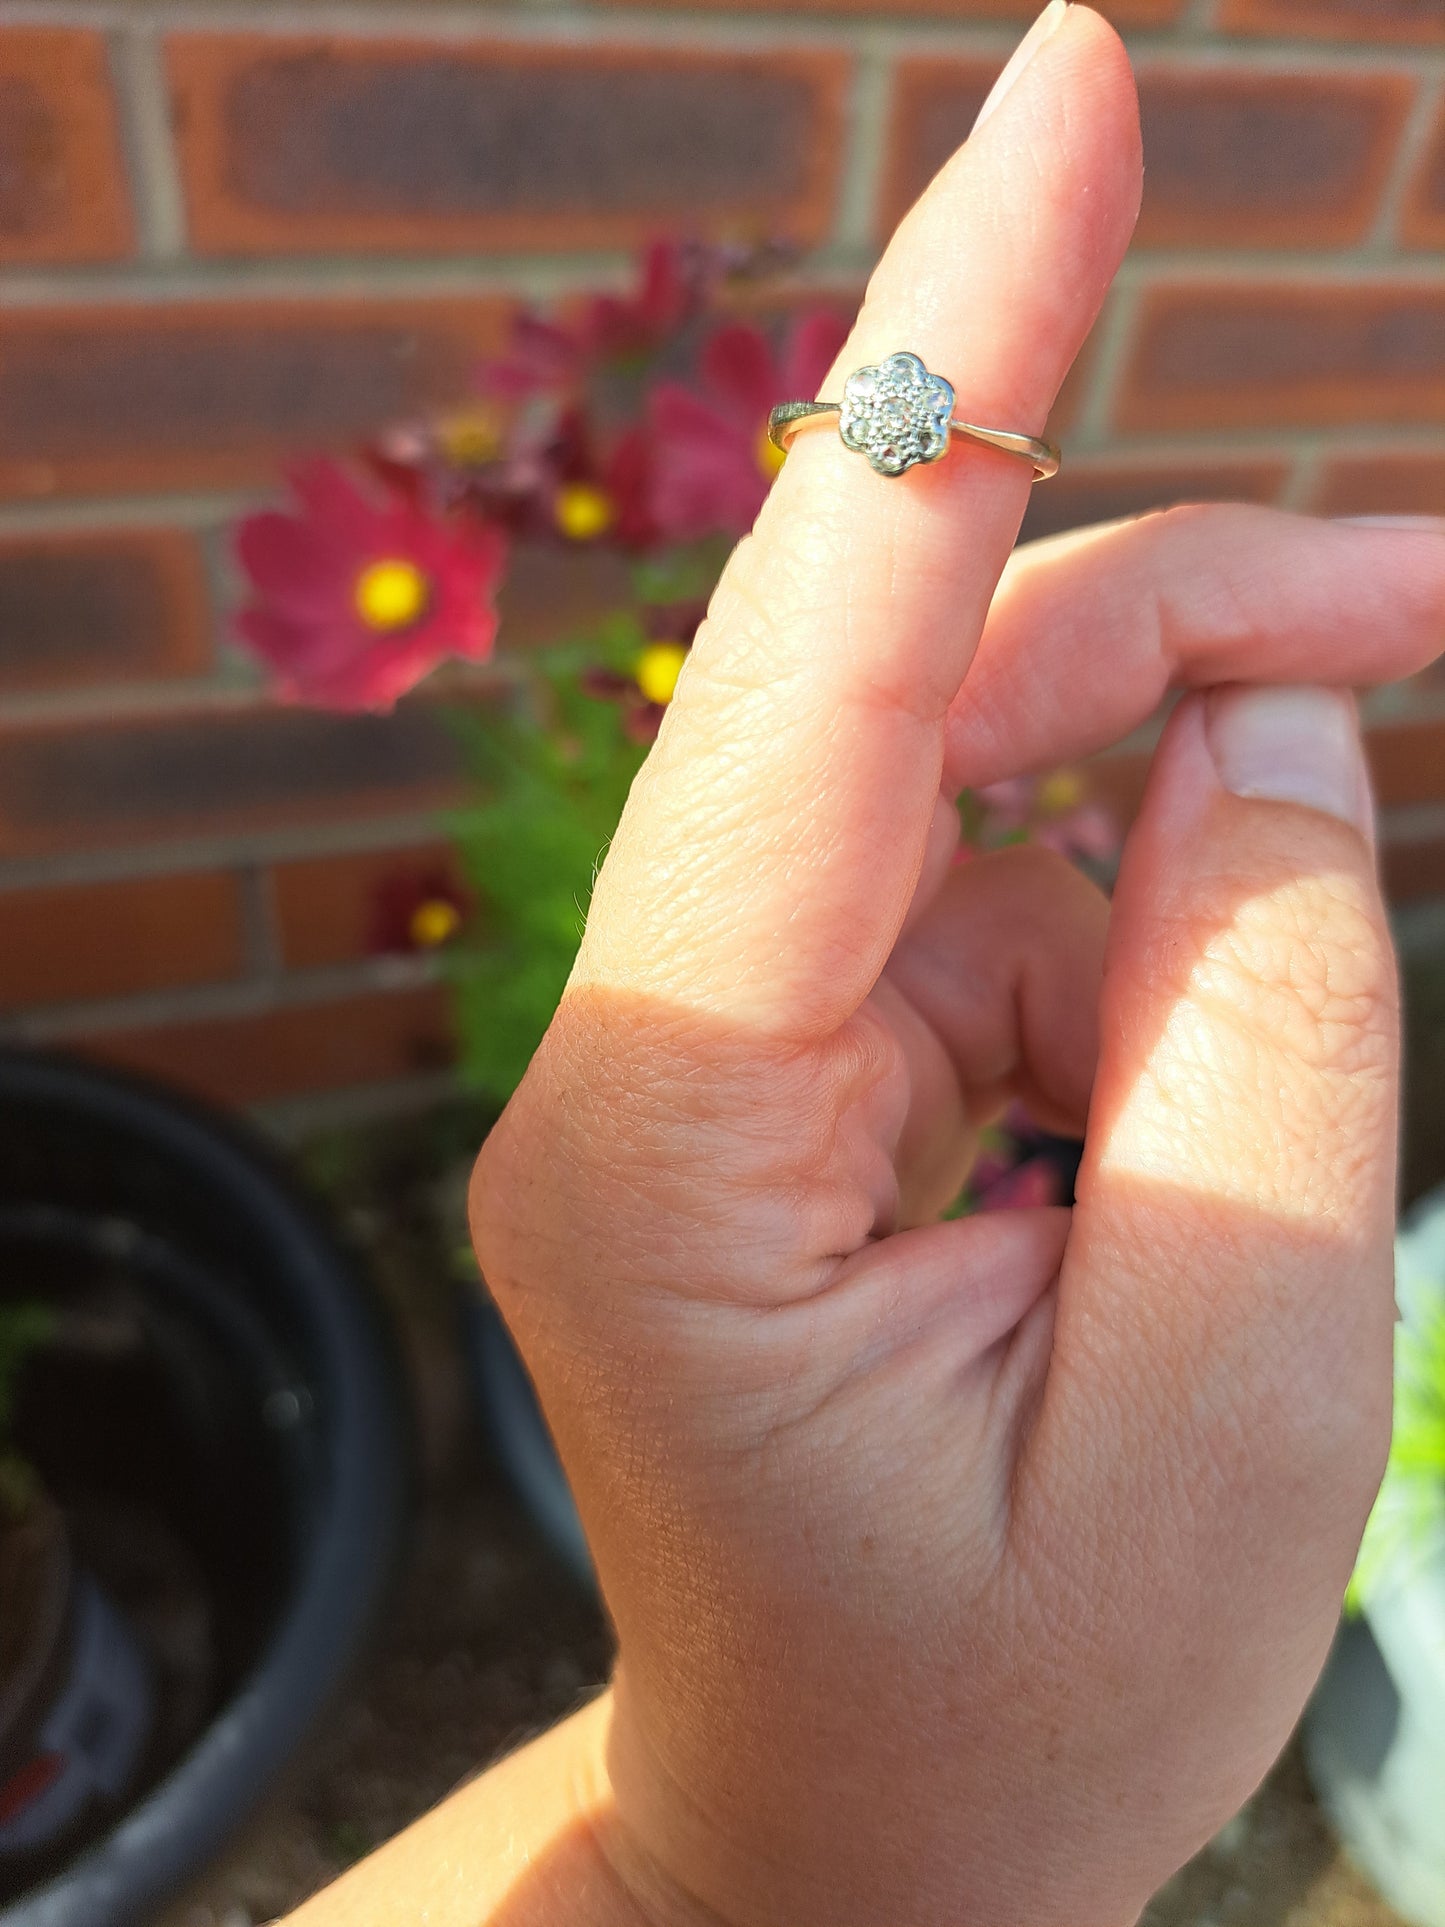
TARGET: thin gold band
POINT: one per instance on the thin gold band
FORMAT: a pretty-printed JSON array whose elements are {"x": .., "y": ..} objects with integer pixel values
[{"x": 789, "y": 416}]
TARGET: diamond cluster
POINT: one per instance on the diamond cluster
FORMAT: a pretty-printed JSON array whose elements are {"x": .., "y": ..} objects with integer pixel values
[{"x": 896, "y": 414}]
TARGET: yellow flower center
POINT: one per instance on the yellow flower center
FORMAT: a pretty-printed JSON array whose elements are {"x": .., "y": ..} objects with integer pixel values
[
  {"x": 1060, "y": 792},
  {"x": 434, "y": 922},
  {"x": 658, "y": 668},
  {"x": 470, "y": 437},
  {"x": 767, "y": 454},
  {"x": 583, "y": 512},
  {"x": 391, "y": 595}
]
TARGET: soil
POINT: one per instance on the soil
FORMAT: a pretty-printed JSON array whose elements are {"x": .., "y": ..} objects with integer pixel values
[{"x": 490, "y": 1641}]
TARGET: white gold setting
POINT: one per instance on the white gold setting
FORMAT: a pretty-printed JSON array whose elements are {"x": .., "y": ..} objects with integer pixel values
[{"x": 897, "y": 414}]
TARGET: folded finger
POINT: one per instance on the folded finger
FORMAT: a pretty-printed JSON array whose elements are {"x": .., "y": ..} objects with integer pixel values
[{"x": 1088, "y": 631}]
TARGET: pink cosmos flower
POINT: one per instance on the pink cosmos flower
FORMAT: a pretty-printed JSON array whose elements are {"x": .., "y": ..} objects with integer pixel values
[
  {"x": 712, "y": 461},
  {"x": 357, "y": 597}
]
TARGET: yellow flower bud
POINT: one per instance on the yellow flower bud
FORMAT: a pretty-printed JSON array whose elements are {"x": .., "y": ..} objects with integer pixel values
[
  {"x": 658, "y": 668},
  {"x": 1060, "y": 792},
  {"x": 392, "y": 594},
  {"x": 434, "y": 922},
  {"x": 583, "y": 512},
  {"x": 470, "y": 437}
]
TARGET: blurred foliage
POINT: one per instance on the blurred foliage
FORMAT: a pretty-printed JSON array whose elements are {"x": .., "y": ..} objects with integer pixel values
[
  {"x": 552, "y": 772},
  {"x": 1407, "y": 1524}
]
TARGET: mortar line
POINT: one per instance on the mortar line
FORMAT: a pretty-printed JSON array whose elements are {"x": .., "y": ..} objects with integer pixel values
[
  {"x": 221, "y": 850},
  {"x": 108, "y": 513},
  {"x": 245, "y": 997},
  {"x": 1092, "y": 429},
  {"x": 1303, "y": 481},
  {"x": 862, "y": 180},
  {"x": 444, "y": 20},
  {"x": 423, "y": 278},
  {"x": 295, "y": 1119},
  {"x": 146, "y": 119},
  {"x": 261, "y": 941},
  {"x": 1419, "y": 126}
]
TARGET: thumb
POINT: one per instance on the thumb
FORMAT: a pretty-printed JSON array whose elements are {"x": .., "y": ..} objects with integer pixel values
[{"x": 1220, "y": 1378}]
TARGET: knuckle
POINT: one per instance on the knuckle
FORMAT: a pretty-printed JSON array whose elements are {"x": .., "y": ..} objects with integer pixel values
[
  {"x": 1305, "y": 972},
  {"x": 1297, "y": 975}
]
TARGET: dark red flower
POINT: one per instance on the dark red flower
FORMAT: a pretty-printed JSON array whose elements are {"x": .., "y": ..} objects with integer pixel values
[
  {"x": 672, "y": 283},
  {"x": 547, "y": 355},
  {"x": 643, "y": 695},
  {"x": 357, "y": 597},
  {"x": 712, "y": 462},
  {"x": 417, "y": 910},
  {"x": 543, "y": 357}
]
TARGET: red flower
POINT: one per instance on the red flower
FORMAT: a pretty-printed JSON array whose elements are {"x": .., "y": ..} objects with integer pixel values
[
  {"x": 355, "y": 599},
  {"x": 548, "y": 356},
  {"x": 673, "y": 279},
  {"x": 417, "y": 910},
  {"x": 644, "y": 695},
  {"x": 712, "y": 461}
]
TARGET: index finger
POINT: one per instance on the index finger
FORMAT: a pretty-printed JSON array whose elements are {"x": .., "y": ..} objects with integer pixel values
[{"x": 770, "y": 847}]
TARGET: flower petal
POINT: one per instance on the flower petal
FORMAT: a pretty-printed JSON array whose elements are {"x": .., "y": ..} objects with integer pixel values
[
  {"x": 813, "y": 346},
  {"x": 331, "y": 498},
  {"x": 292, "y": 563},
  {"x": 739, "y": 369},
  {"x": 705, "y": 476}
]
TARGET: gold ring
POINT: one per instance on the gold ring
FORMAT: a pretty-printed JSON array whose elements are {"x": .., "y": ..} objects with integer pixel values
[{"x": 898, "y": 415}]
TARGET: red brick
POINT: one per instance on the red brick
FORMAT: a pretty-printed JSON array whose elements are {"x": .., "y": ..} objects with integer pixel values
[
  {"x": 1367, "y": 20},
  {"x": 133, "y": 782},
  {"x": 1232, "y": 157},
  {"x": 1124, "y": 13},
  {"x": 304, "y": 145},
  {"x": 1414, "y": 869},
  {"x": 1407, "y": 762},
  {"x": 1106, "y": 490},
  {"x": 1117, "y": 781},
  {"x": 1422, "y": 224},
  {"x": 1244, "y": 159},
  {"x": 1311, "y": 355},
  {"x": 365, "y": 1039},
  {"x": 62, "y": 175},
  {"x": 116, "y": 607},
  {"x": 935, "y": 102},
  {"x": 117, "y": 939},
  {"x": 1398, "y": 484},
  {"x": 214, "y": 395},
  {"x": 326, "y": 907},
  {"x": 552, "y": 593}
]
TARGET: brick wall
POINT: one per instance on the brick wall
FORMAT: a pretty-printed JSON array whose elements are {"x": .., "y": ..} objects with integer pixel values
[{"x": 234, "y": 228}]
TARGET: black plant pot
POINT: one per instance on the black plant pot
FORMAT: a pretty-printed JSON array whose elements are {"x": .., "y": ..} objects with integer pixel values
[
  {"x": 221, "y": 1386},
  {"x": 516, "y": 1435}
]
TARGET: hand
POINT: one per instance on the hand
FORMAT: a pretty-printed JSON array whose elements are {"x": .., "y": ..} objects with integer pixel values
[{"x": 975, "y": 1571}]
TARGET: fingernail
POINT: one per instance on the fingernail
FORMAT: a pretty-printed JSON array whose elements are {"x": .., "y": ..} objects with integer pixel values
[
  {"x": 1046, "y": 24},
  {"x": 1291, "y": 745},
  {"x": 1425, "y": 524}
]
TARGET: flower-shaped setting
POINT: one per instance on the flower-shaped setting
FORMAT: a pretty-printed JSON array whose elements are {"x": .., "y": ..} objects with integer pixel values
[{"x": 896, "y": 414}]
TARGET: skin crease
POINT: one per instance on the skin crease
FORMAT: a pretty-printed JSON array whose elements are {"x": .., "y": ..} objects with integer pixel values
[{"x": 969, "y": 1572}]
